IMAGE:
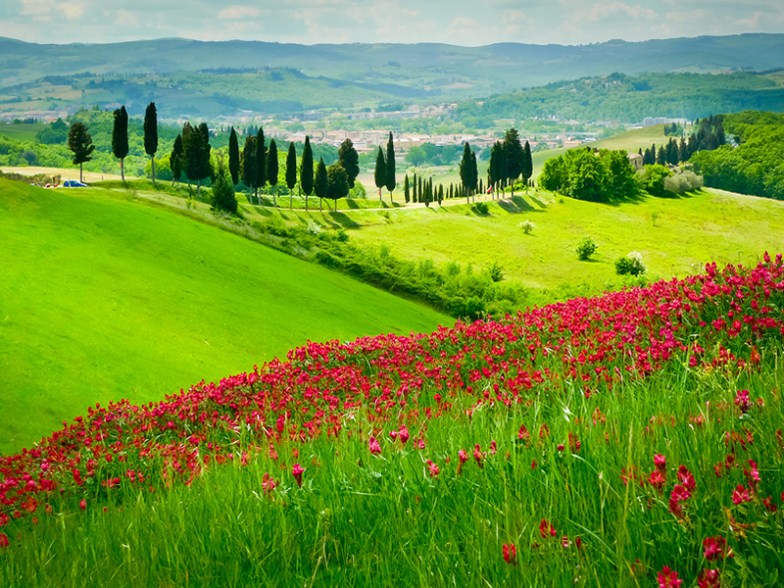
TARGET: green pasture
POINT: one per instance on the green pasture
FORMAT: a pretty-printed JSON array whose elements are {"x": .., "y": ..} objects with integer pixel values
[
  {"x": 675, "y": 236},
  {"x": 21, "y": 131},
  {"x": 102, "y": 298}
]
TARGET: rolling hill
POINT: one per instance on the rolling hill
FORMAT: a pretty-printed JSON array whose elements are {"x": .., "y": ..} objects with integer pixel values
[{"x": 103, "y": 298}]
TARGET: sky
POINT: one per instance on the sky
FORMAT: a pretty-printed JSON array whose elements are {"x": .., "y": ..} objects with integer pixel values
[{"x": 458, "y": 22}]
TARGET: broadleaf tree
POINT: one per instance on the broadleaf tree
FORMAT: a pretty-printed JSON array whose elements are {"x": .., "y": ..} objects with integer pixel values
[
  {"x": 348, "y": 158},
  {"x": 81, "y": 144},
  {"x": 337, "y": 183}
]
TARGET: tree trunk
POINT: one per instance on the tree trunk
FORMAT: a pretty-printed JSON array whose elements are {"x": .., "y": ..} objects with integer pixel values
[
  {"x": 80, "y": 173},
  {"x": 122, "y": 169},
  {"x": 152, "y": 165}
]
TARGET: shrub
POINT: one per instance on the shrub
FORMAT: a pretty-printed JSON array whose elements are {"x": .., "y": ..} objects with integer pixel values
[
  {"x": 481, "y": 208},
  {"x": 630, "y": 264},
  {"x": 586, "y": 248},
  {"x": 496, "y": 272},
  {"x": 528, "y": 227}
]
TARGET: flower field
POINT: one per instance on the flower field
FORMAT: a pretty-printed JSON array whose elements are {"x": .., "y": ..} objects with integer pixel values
[{"x": 629, "y": 439}]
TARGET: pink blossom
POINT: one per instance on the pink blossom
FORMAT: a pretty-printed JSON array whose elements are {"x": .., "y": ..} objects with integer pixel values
[
  {"x": 709, "y": 579},
  {"x": 432, "y": 468},
  {"x": 373, "y": 444},
  {"x": 668, "y": 578},
  {"x": 297, "y": 471},
  {"x": 510, "y": 553},
  {"x": 741, "y": 494}
]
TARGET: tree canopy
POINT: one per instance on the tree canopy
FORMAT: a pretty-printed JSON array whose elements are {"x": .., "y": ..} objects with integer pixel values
[
  {"x": 348, "y": 158},
  {"x": 81, "y": 144},
  {"x": 120, "y": 138}
]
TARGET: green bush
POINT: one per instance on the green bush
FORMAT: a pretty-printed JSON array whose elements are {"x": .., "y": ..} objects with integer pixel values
[
  {"x": 586, "y": 248},
  {"x": 528, "y": 227},
  {"x": 481, "y": 208},
  {"x": 631, "y": 264}
]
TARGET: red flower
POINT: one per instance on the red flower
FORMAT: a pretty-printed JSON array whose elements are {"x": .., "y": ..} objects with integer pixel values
[
  {"x": 510, "y": 553},
  {"x": 686, "y": 478},
  {"x": 297, "y": 471},
  {"x": 716, "y": 548},
  {"x": 709, "y": 579},
  {"x": 660, "y": 462},
  {"x": 268, "y": 483},
  {"x": 433, "y": 468},
  {"x": 3, "y": 540},
  {"x": 478, "y": 455},
  {"x": 657, "y": 480},
  {"x": 740, "y": 495},
  {"x": 546, "y": 529},
  {"x": 403, "y": 434},
  {"x": 742, "y": 400},
  {"x": 83, "y": 504},
  {"x": 373, "y": 444},
  {"x": 668, "y": 578}
]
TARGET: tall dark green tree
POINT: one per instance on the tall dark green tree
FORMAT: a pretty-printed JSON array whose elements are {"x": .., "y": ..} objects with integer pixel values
[
  {"x": 81, "y": 144},
  {"x": 151, "y": 135},
  {"x": 272, "y": 169},
  {"x": 406, "y": 190},
  {"x": 337, "y": 183},
  {"x": 120, "y": 138},
  {"x": 380, "y": 174},
  {"x": 513, "y": 156},
  {"x": 249, "y": 173},
  {"x": 391, "y": 182},
  {"x": 223, "y": 196},
  {"x": 321, "y": 182},
  {"x": 468, "y": 171},
  {"x": 175, "y": 159},
  {"x": 348, "y": 158},
  {"x": 291, "y": 172},
  {"x": 234, "y": 157},
  {"x": 196, "y": 143},
  {"x": 528, "y": 163},
  {"x": 306, "y": 170},
  {"x": 497, "y": 169},
  {"x": 261, "y": 160}
]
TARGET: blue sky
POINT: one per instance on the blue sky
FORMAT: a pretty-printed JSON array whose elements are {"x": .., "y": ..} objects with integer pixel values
[{"x": 460, "y": 22}]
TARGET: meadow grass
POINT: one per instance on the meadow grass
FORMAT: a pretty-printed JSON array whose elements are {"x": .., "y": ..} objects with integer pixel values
[
  {"x": 21, "y": 131},
  {"x": 674, "y": 235},
  {"x": 104, "y": 297},
  {"x": 360, "y": 519}
]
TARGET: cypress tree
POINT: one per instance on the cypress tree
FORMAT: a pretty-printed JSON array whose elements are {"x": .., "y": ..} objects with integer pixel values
[
  {"x": 272, "y": 169},
  {"x": 528, "y": 163},
  {"x": 175, "y": 159},
  {"x": 321, "y": 182},
  {"x": 120, "y": 138},
  {"x": 380, "y": 175},
  {"x": 223, "y": 196},
  {"x": 249, "y": 173},
  {"x": 81, "y": 144},
  {"x": 406, "y": 190},
  {"x": 390, "y": 162},
  {"x": 465, "y": 167},
  {"x": 513, "y": 156},
  {"x": 234, "y": 157},
  {"x": 291, "y": 172},
  {"x": 306, "y": 170},
  {"x": 261, "y": 160},
  {"x": 151, "y": 135},
  {"x": 348, "y": 158}
]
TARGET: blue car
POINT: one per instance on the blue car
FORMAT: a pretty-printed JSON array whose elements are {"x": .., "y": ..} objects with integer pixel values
[{"x": 73, "y": 184}]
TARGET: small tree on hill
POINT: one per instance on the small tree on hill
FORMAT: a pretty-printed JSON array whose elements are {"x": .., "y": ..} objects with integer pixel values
[
  {"x": 528, "y": 164},
  {"x": 337, "y": 183},
  {"x": 175, "y": 159},
  {"x": 306, "y": 170},
  {"x": 249, "y": 173},
  {"x": 348, "y": 158},
  {"x": 234, "y": 157},
  {"x": 380, "y": 175},
  {"x": 513, "y": 156},
  {"x": 261, "y": 161},
  {"x": 223, "y": 196},
  {"x": 291, "y": 172},
  {"x": 81, "y": 144},
  {"x": 151, "y": 135},
  {"x": 321, "y": 182},
  {"x": 391, "y": 182},
  {"x": 272, "y": 169},
  {"x": 120, "y": 138}
]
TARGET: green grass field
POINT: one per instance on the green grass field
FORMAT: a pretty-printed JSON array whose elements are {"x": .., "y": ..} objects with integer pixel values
[
  {"x": 675, "y": 236},
  {"x": 21, "y": 131},
  {"x": 103, "y": 298}
]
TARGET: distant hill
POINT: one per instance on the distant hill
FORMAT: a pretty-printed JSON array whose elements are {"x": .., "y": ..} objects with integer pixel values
[{"x": 211, "y": 79}]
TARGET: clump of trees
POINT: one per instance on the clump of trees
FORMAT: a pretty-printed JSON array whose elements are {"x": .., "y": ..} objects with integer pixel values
[{"x": 589, "y": 174}]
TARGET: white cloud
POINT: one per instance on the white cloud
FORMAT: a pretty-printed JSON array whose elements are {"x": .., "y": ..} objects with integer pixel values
[{"x": 238, "y": 12}]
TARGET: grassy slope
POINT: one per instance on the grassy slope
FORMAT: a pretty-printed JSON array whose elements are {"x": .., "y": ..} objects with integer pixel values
[
  {"x": 102, "y": 298},
  {"x": 674, "y": 236}
]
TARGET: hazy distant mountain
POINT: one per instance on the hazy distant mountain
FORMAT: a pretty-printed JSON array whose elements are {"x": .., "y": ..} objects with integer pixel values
[{"x": 213, "y": 78}]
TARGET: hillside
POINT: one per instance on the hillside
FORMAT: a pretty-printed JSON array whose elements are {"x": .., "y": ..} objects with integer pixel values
[
  {"x": 215, "y": 79},
  {"x": 104, "y": 298}
]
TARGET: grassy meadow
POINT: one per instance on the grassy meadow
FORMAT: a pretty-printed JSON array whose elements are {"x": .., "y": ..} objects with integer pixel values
[
  {"x": 103, "y": 297},
  {"x": 628, "y": 440}
]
